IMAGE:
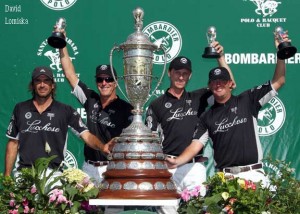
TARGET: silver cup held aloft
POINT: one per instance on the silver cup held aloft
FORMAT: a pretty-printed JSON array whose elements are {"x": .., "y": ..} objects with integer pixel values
[
  {"x": 210, "y": 52},
  {"x": 138, "y": 66},
  {"x": 57, "y": 39},
  {"x": 285, "y": 49}
]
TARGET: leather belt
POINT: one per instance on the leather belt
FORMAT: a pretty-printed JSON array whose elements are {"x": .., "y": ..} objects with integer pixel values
[
  {"x": 238, "y": 169},
  {"x": 196, "y": 159},
  {"x": 97, "y": 163}
]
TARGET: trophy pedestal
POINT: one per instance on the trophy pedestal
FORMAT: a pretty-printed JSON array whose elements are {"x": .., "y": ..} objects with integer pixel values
[
  {"x": 286, "y": 50},
  {"x": 210, "y": 52},
  {"x": 137, "y": 171},
  {"x": 57, "y": 40}
]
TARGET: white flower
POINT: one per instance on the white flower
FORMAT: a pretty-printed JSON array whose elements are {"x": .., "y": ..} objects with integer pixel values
[{"x": 47, "y": 147}]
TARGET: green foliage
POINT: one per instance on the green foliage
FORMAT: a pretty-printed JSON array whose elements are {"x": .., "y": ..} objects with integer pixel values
[
  {"x": 35, "y": 191},
  {"x": 236, "y": 195}
]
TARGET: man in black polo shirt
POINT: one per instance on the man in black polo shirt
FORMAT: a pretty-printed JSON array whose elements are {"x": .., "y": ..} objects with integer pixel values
[
  {"x": 231, "y": 125},
  {"x": 174, "y": 115},
  {"x": 107, "y": 114},
  {"x": 38, "y": 127}
]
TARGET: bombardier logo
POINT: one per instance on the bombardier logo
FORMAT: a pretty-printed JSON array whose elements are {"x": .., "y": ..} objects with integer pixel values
[
  {"x": 271, "y": 117},
  {"x": 166, "y": 35},
  {"x": 267, "y": 10},
  {"x": 53, "y": 57},
  {"x": 58, "y": 4}
]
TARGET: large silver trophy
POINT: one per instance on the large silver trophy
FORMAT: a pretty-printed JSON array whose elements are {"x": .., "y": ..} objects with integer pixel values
[{"x": 137, "y": 169}]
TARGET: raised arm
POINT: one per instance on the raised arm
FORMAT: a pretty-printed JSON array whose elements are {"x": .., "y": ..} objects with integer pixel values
[
  {"x": 221, "y": 61},
  {"x": 67, "y": 65},
  {"x": 10, "y": 156},
  {"x": 278, "y": 79}
]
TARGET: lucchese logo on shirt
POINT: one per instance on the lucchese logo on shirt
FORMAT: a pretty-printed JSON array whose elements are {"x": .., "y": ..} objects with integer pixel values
[
  {"x": 35, "y": 127},
  {"x": 224, "y": 125},
  {"x": 96, "y": 118},
  {"x": 179, "y": 114}
]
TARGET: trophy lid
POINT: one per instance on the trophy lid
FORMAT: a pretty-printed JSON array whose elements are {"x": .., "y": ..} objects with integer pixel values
[{"x": 138, "y": 39}]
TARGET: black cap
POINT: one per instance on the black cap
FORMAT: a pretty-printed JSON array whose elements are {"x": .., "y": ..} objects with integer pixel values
[
  {"x": 181, "y": 62},
  {"x": 105, "y": 69},
  {"x": 218, "y": 73},
  {"x": 42, "y": 70}
]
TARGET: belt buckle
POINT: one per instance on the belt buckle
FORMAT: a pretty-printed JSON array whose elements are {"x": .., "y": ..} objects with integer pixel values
[{"x": 235, "y": 170}]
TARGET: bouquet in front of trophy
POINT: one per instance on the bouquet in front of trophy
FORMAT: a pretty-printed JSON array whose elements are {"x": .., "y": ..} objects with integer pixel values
[
  {"x": 235, "y": 195},
  {"x": 34, "y": 191}
]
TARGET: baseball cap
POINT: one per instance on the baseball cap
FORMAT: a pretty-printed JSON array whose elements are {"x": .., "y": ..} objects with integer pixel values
[
  {"x": 105, "y": 69},
  {"x": 219, "y": 73},
  {"x": 181, "y": 62},
  {"x": 42, "y": 70}
]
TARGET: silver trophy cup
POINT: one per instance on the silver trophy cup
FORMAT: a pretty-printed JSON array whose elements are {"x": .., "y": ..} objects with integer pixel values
[
  {"x": 136, "y": 169},
  {"x": 285, "y": 49},
  {"x": 57, "y": 39},
  {"x": 210, "y": 52},
  {"x": 138, "y": 65}
]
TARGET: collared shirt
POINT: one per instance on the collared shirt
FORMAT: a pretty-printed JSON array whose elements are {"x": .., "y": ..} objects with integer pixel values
[
  {"x": 33, "y": 130},
  {"x": 232, "y": 127},
  {"x": 104, "y": 123},
  {"x": 176, "y": 119}
]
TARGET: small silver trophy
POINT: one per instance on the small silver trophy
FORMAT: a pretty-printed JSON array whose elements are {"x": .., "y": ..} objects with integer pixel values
[
  {"x": 285, "y": 49},
  {"x": 57, "y": 39},
  {"x": 210, "y": 52}
]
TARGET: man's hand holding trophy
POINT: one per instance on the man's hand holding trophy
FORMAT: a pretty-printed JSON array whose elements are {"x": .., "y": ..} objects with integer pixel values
[{"x": 57, "y": 38}]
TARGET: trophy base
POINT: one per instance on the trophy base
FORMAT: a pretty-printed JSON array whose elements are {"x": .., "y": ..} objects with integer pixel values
[
  {"x": 286, "y": 50},
  {"x": 57, "y": 40},
  {"x": 210, "y": 52}
]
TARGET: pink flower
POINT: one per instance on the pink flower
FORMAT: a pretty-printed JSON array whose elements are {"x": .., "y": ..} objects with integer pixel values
[
  {"x": 61, "y": 199},
  {"x": 33, "y": 190},
  {"x": 26, "y": 209},
  {"x": 195, "y": 191},
  {"x": 25, "y": 202},
  {"x": 12, "y": 194},
  {"x": 32, "y": 210},
  {"x": 13, "y": 211},
  {"x": 12, "y": 203},
  {"x": 52, "y": 198},
  {"x": 185, "y": 195}
]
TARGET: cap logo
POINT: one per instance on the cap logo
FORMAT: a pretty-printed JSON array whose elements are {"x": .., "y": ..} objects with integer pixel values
[
  {"x": 217, "y": 71},
  {"x": 42, "y": 70},
  {"x": 183, "y": 60},
  {"x": 103, "y": 67}
]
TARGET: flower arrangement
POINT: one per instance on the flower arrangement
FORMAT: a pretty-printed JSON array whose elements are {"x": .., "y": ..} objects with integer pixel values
[
  {"x": 235, "y": 195},
  {"x": 36, "y": 192}
]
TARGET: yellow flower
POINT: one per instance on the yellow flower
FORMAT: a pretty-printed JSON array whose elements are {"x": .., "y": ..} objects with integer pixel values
[
  {"x": 222, "y": 176},
  {"x": 242, "y": 183}
]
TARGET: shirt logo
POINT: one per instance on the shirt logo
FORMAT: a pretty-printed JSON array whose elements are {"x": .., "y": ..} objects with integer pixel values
[
  {"x": 168, "y": 105},
  {"x": 28, "y": 115},
  {"x": 225, "y": 125},
  {"x": 35, "y": 127},
  {"x": 271, "y": 117},
  {"x": 58, "y": 4},
  {"x": 179, "y": 114},
  {"x": 166, "y": 35},
  {"x": 50, "y": 115}
]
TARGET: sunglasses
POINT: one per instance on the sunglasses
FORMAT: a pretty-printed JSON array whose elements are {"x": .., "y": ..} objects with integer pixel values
[{"x": 107, "y": 79}]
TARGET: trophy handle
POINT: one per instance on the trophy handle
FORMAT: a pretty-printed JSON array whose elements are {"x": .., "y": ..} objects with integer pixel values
[
  {"x": 162, "y": 75},
  {"x": 111, "y": 69}
]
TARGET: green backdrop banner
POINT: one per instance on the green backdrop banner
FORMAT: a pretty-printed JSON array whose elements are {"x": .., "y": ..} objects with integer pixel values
[{"x": 244, "y": 27}]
